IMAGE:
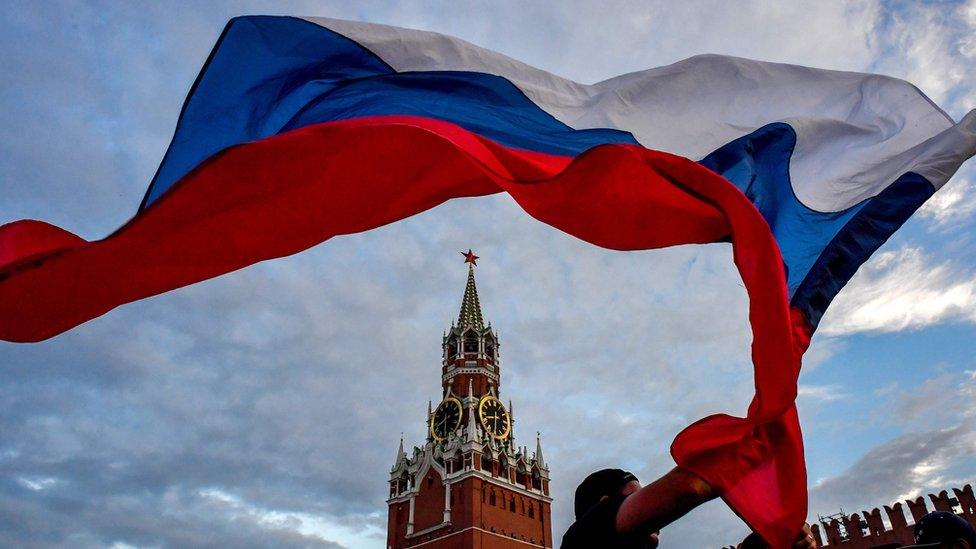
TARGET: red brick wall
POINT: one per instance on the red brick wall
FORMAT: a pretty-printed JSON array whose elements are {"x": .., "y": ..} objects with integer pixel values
[
  {"x": 475, "y": 539},
  {"x": 500, "y": 518},
  {"x": 397, "y": 524},
  {"x": 900, "y": 531},
  {"x": 429, "y": 506},
  {"x": 471, "y": 507},
  {"x": 479, "y": 383}
]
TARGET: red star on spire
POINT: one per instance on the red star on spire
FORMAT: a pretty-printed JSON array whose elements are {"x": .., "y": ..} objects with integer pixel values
[{"x": 470, "y": 257}]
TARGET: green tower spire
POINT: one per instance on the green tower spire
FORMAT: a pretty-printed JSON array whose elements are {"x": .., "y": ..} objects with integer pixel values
[{"x": 470, "y": 314}]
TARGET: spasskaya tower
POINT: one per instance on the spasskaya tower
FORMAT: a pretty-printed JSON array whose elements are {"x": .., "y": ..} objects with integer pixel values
[{"x": 470, "y": 485}]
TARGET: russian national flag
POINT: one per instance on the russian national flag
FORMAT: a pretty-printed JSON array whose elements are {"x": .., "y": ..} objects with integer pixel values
[{"x": 298, "y": 130}]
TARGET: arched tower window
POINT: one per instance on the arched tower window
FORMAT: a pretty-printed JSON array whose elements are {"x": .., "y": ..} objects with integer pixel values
[
  {"x": 490, "y": 347},
  {"x": 491, "y": 498},
  {"x": 452, "y": 348},
  {"x": 485, "y": 462},
  {"x": 470, "y": 342}
]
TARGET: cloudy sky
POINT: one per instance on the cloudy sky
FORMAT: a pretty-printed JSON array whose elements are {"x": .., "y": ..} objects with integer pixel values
[{"x": 264, "y": 408}]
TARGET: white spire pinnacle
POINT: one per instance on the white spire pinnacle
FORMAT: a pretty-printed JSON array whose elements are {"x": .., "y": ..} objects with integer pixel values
[
  {"x": 511, "y": 421},
  {"x": 401, "y": 455},
  {"x": 473, "y": 434},
  {"x": 538, "y": 451}
]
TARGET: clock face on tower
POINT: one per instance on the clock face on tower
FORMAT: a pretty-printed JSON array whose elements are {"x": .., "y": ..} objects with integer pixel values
[
  {"x": 494, "y": 417},
  {"x": 446, "y": 418}
]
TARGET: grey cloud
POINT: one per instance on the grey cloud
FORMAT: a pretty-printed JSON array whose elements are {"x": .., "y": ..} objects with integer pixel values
[
  {"x": 99, "y": 519},
  {"x": 908, "y": 466},
  {"x": 939, "y": 400},
  {"x": 934, "y": 454}
]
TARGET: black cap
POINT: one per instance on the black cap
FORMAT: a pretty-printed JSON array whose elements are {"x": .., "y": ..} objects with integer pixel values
[
  {"x": 605, "y": 482},
  {"x": 940, "y": 527}
]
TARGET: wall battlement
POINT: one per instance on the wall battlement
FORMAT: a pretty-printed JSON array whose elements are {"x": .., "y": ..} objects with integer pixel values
[{"x": 867, "y": 529}]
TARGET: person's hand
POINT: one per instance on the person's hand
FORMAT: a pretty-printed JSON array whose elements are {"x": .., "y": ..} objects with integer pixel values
[
  {"x": 752, "y": 541},
  {"x": 805, "y": 539}
]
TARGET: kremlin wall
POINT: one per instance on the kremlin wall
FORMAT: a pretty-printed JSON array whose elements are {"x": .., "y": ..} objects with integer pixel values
[{"x": 869, "y": 530}]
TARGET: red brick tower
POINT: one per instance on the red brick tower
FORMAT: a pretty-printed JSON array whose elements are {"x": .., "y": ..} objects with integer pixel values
[{"x": 470, "y": 485}]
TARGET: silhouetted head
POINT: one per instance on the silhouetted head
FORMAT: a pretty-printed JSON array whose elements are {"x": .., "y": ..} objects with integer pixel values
[
  {"x": 944, "y": 530},
  {"x": 603, "y": 483}
]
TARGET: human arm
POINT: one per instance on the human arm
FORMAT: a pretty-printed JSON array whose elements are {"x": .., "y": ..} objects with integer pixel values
[
  {"x": 662, "y": 502},
  {"x": 633, "y": 517}
]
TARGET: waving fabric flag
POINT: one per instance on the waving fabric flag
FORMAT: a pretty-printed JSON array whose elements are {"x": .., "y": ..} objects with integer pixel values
[{"x": 298, "y": 130}]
